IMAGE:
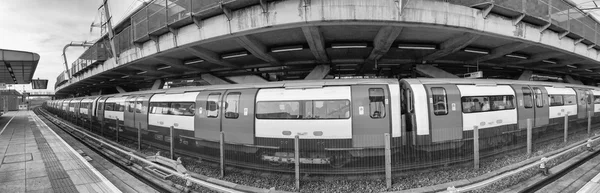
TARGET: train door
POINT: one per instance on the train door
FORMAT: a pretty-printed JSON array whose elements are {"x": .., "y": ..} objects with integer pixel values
[
  {"x": 444, "y": 112},
  {"x": 100, "y": 109},
  {"x": 141, "y": 111},
  {"x": 238, "y": 116},
  {"x": 208, "y": 116},
  {"x": 590, "y": 103},
  {"x": 582, "y": 103},
  {"x": 525, "y": 109},
  {"x": 541, "y": 106},
  {"x": 370, "y": 115},
  {"x": 129, "y": 114}
]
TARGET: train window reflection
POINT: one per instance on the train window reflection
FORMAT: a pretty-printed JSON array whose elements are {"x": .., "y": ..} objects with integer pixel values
[
  {"x": 376, "y": 103},
  {"x": 440, "y": 102},
  {"x": 527, "y": 97},
  {"x": 569, "y": 99},
  {"x": 231, "y": 106},
  {"x": 473, "y": 104},
  {"x": 185, "y": 109},
  {"x": 318, "y": 109},
  {"x": 212, "y": 105},
  {"x": 556, "y": 100},
  {"x": 539, "y": 99}
]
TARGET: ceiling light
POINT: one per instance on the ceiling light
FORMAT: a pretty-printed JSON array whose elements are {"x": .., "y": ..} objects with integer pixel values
[
  {"x": 193, "y": 62},
  {"x": 164, "y": 67},
  {"x": 476, "y": 51},
  {"x": 516, "y": 56},
  {"x": 112, "y": 80},
  {"x": 234, "y": 55},
  {"x": 287, "y": 49},
  {"x": 142, "y": 72},
  {"x": 417, "y": 46},
  {"x": 571, "y": 66},
  {"x": 348, "y": 45},
  {"x": 589, "y": 70},
  {"x": 125, "y": 76},
  {"x": 549, "y": 61}
]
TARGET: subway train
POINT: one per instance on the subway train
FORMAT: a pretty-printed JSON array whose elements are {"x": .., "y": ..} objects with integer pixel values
[{"x": 337, "y": 120}]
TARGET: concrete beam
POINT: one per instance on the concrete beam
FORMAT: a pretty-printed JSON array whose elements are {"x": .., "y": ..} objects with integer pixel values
[
  {"x": 452, "y": 45},
  {"x": 210, "y": 56},
  {"x": 247, "y": 79},
  {"x": 537, "y": 58},
  {"x": 158, "y": 84},
  {"x": 501, "y": 51},
  {"x": 120, "y": 89},
  {"x": 257, "y": 49},
  {"x": 526, "y": 75},
  {"x": 213, "y": 80},
  {"x": 433, "y": 72},
  {"x": 570, "y": 80},
  {"x": 316, "y": 42},
  {"x": 381, "y": 45},
  {"x": 176, "y": 63},
  {"x": 318, "y": 73}
]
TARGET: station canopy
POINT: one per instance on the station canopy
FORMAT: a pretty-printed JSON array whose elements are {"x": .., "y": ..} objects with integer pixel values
[{"x": 17, "y": 67}]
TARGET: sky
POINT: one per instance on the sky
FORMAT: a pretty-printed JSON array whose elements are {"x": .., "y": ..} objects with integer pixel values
[{"x": 46, "y": 26}]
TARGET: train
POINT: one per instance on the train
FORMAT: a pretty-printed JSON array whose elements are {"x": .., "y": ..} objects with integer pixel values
[{"x": 336, "y": 120}]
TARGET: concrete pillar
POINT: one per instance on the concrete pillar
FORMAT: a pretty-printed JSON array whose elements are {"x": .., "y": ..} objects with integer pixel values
[
  {"x": 158, "y": 84},
  {"x": 318, "y": 73},
  {"x": 247, "y": 79},
  {"x": 433, "y": 72},
  {"x": 570, "y": 80},
  {"x": 121, "y": 90},
  {"x": 213, "y": 80},
  {"x": 526, "y": 75}
]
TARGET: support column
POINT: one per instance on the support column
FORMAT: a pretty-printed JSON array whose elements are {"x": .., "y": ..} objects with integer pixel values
[
  {"x": 247, "y": 79},
  {"x": 433, "y": 72},
  {"x": 318, "y": 73},
  {"x": 526, "y": 75},
  {"x": 213, "y": 80},
  {"x": 120, "y": 89},
  {"x": 158, "y": 84},
  {"x": 570, "y": 80}
]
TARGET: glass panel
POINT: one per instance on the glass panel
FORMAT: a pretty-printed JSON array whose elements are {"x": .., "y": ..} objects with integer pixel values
[
  {"x": 539, "y": 100},
  {"x": 597, "y": 99},
  {"x": 178, "y": 10},
  {"x": 131, "y": 106},
  {"x": 527, "y": 98},
  {"x": 157, "y": 15},
  {"x": 556, "y": 100},
  {"x": 537, "y": 9},
  {"x": 569, "y": 99},
  {"x": 140, "y": 24},
  {"x": 376, "y": 103},
  {"x": 231, "y": 105},
  {"x": 199, "y": 5},
  {"x": 440, "y": 104},
  {"x": 212, "y": 105},
  {"x": 516, "y": 5},
  {"x": 502, "y": 102},
  {"x": 278, "y": 110},
  {"x": 182, "y": 109}
]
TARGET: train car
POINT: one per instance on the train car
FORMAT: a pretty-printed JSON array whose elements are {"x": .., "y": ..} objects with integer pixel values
[{"x": 339, "y": 121}]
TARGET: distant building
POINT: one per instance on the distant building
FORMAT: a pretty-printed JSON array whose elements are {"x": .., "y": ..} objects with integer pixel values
[{"x": 10, "y": 100}]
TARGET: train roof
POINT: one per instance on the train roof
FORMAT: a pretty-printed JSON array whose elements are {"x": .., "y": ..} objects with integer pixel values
[{"x": 492, "y": 81}]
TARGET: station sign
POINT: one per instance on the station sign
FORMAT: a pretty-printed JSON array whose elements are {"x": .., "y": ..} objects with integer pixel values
[
  {"x": 478, "y": 74},
  {"x": 39, "y": 84}
]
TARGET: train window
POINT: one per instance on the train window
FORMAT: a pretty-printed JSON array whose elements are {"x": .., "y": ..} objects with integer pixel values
[
  {"x": 597, "y": 99},
  {"x": 376, "y": 103},
  {"x": 183, "y": 109},
  {"x": 108, "y": 106},
  {"x": 138, "y": 107},
  {"x": 527, "y": 97},
  {"x": 131, "y": 106},
  {"x": 159, "y": 108},
  {"x": 556, "y": 100},
  {"x": 539, "y": 99},
  {"x": 440, "y": 101},
  {"x": 475, "y": 104},
  {"x": 232, "y": 103},
  {"x": 278, "y": 110},
  {"x": 212, "y": 105},
  {"x": 121, "y": 106},
  {"x": 590, "y": 98},
  {"x": 329, "y": 109},
  {"x": 569, "y": 99}
]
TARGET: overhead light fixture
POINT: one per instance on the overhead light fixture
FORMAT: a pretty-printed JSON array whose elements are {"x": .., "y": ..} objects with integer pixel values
[
  {"x": 101, "y": 82},
  {"x": 516, "y": 56},
  {"x": 112, "y": 80},
  {"x": 348, "y": 45},
  {"x": 142, "y": 72},
  {"x": 125, "y": 76},
  {"x": 234, "y": 55},
  {"x": 549, "y": 61},
  {"x": 476, "y": 51},
  {"x": 287, "y": 49},
  {"x": 417, "y": 46},
  {"x": 571, "y": 66},
  {"x": 193, "y": 62},
  {"x": 164, "y": 67},
  {"x": 589, "y": 70}
]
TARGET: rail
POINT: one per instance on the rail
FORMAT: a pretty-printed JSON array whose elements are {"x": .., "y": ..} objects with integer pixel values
[{"x": 144, "y": 160}]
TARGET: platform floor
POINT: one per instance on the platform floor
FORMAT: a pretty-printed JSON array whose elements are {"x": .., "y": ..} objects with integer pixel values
[
  {"x": 593, "y": 186},
  {"x": 35, "y": 159}
]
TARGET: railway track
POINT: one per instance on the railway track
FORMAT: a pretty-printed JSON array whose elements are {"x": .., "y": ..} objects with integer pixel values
[
  {"x": 356, "y": 170},
  {"x": 158, "y": 184}
]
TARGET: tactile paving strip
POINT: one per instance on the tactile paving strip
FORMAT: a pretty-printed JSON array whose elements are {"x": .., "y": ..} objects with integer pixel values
[{"x": 59, "y": 179}]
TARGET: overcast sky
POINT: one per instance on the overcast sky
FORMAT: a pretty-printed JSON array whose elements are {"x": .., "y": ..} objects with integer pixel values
[{"x": 46, "y": 26}]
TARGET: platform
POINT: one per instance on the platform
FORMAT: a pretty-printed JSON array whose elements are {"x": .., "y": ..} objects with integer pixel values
[
  {"x": 35, "y": 159},
  {"x": 593, "y": 185}
]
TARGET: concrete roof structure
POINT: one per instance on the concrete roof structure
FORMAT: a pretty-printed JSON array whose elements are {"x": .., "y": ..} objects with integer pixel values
[
  {"x": 233, "y": 41},
  {"x": 17, "y": 67}
]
